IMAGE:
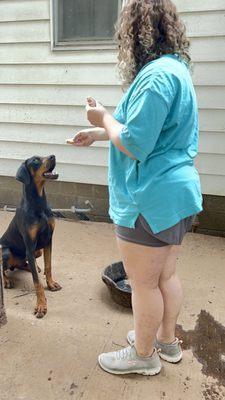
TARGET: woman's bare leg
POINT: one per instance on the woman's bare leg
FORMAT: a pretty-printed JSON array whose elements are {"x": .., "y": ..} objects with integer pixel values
[
  {"x": 144, "y": 266},
  {"x": 170, "y": 287}
]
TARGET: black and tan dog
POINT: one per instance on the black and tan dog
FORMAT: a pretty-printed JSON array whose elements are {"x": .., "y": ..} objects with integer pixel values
[{"x": 30, "y": 232}]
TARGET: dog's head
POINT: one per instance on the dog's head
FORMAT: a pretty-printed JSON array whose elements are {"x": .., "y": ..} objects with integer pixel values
[{"x": 37, "y": 169}]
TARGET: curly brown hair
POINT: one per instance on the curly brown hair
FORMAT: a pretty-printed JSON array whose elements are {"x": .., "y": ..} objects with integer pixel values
[{"x": 146, "y": 30}]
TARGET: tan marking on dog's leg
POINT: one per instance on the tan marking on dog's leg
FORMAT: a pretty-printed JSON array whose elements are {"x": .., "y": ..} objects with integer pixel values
[
  {"x": 41, "y": 307},
  {"x": 52, "y": 285},
  {"x": 8, "y": 283},
  {"x": 10, "y": 262}
]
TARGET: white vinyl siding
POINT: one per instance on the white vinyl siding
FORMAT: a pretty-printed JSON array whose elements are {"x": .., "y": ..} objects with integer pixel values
[{"x": 42, "y": 92}]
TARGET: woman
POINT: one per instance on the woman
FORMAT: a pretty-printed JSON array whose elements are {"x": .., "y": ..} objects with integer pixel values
[{"x": 153, "y": 184}]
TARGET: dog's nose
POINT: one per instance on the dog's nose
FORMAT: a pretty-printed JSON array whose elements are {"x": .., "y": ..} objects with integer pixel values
[{"x": 52, "y": 157}]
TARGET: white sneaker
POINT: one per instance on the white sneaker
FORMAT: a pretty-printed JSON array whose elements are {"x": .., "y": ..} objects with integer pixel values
[{"x": 127, "y": 361}]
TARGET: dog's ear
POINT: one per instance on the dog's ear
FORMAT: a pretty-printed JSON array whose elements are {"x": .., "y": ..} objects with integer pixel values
[{"x": 23, "y": 174}]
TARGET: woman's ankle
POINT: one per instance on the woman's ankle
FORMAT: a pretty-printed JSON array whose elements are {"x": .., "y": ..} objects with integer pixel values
[
  {"x": 145, "y": 354},
  {"x": 166, "y": 339},
  {"x": 165, "y": 335}
]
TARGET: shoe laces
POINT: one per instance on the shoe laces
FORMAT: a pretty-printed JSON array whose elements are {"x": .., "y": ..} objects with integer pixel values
[{"x": 124, "y": 354}]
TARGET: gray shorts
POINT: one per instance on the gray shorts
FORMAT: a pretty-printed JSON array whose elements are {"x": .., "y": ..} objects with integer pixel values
[{"x": 142, "y": 233}]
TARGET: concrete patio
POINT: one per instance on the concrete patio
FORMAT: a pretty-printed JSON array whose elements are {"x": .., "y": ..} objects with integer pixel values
[{"x": 55, "y": 358}]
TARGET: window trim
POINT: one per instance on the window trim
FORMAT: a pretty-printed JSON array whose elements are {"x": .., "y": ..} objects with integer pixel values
[{"x": 80, "y": 45}]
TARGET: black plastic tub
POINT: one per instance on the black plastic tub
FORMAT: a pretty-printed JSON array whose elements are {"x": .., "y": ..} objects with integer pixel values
[{"x": 114, "y": 276}]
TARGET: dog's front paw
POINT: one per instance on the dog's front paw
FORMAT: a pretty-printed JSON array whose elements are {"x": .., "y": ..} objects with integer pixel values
[
  {"x": 40, "y": 310},
  {"x": 53, "y": 286},
  {"x": 8, "y": 283}
]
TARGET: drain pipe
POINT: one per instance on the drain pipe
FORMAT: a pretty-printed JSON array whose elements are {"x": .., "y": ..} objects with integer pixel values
[{"x": 72, "y": 209}]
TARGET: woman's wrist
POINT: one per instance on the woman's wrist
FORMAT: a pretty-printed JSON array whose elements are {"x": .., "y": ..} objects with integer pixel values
[
  {"x": 100, "y": 134},
  {"x": 107, "y": 120}
]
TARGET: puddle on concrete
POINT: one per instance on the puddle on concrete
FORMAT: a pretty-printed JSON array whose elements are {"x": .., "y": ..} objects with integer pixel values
[{"x": 207, "y": 342}]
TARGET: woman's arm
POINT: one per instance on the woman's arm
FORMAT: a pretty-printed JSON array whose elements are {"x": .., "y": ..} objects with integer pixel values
[
  {"x": 113, "y": 129},
  {"x": 99, "y": 134}
]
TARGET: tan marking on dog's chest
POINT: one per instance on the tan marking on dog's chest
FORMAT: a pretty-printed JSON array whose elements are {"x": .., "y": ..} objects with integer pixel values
[
  {"x": 51, "y": 223},
  {"x": 33, "y": 230}
]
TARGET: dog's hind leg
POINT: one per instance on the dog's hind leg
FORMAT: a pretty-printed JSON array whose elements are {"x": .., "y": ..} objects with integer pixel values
[
  {"x": 52, "y": 285},
  {"x": 6, "y": 255}
]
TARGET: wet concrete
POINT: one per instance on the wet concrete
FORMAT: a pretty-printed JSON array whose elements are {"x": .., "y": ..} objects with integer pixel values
[{"x": 207, "y": 342}]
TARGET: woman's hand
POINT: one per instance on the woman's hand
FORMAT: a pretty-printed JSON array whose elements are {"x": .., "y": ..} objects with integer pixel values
[
  {"x": 83, "y": 138},
  {"x": 95, "y": 112},
  {"x": 88, "y": 136}
]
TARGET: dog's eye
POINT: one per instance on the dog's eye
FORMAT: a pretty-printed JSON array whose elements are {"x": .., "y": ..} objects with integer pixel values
[{"x": 36, "y": 163}]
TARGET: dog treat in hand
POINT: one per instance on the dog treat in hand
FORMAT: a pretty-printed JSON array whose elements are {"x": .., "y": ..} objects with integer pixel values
[{"x": 91, "y": 102}]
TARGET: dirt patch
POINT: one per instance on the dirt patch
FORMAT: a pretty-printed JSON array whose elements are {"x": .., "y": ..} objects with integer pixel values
[{"x": 207, "y": 342}]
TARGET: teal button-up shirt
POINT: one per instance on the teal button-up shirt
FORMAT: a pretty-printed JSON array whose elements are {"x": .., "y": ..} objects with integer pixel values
[{"x": 160, "y": 117}]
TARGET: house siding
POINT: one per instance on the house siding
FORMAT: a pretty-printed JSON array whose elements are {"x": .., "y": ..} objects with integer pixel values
[{"x": 42, "y": 92}]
